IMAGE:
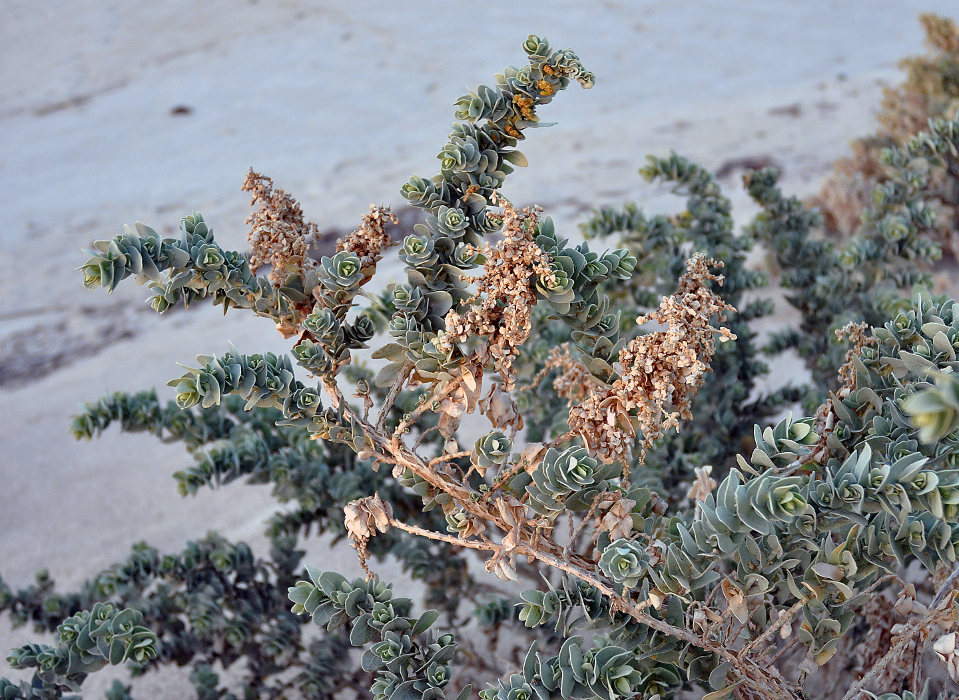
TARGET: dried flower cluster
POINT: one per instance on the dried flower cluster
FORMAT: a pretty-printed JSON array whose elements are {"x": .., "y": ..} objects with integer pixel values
[
  {"x": 371, "y": 239},
  {"x": 363, "y": 518},
  {"x": 858, "y": 337},
  {"x": 703, "y": 485},
  {"x": 501, "y": 310},
  {"x": 572, "y": 381},
  {"x": 279, "y": 235},
  {"x": 660, "y": 371}
]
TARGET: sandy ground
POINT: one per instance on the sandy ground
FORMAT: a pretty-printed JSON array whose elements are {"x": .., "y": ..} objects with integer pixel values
[{"x": 115, "y": 111}]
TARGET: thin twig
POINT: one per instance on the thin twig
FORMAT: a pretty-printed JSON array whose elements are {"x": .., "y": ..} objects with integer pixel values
[
  {"x": 915, "y": 627},
  {"x": 560, "y": 439},
  {"x": 451, "y": 539},
  {"x": 449, "y": 457},
  {"x": 946, "y": 587},
  {"x": 790, "y": 646},
  {"x": 451, "y": 386},
  {"x": 574, "y": 533},
  {"x": 773, "y": 628},
  {"x": 422, "y": 436},
  {"x": 502, "y": 479},
  {"x": 394, "y": 392},
  {"x": 547, "y": 552}
]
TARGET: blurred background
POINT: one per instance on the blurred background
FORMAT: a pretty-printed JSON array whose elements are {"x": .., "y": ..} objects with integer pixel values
[{"x": 112, "y": 112}]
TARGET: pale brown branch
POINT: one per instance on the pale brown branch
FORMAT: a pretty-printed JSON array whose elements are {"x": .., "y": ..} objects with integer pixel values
[
  {"x": 773, "y": 628},
  {"x": 393, "y": 450},
  {"x": 764, "y": 683},
  {"x": 790, "y": 646},
  {"x": 451, "y": 539},
  {"x": 946, "y": 587},
  {"x": 560, "y": 439},
  {"x": 502, "y": 479},
  {"x": 574, "y": 532},
  {"x": 451, "y": 385},
  {"x": 915, "y": 626},
  {"x": 448, "y": 457},
  {"x": 394, "y": 392}
]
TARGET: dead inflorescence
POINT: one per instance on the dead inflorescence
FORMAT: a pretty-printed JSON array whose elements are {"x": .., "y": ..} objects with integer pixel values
[
  {"x": 859, "y": 337},
  {"x": 660, "y": 372},
  {"x": 370, "y": 240},
  {"x": 502, "y": 307},
  {"x": 573, "y": 380},
  {"x": 279, "y": 235},
  {"x": 363, "y": 518}
]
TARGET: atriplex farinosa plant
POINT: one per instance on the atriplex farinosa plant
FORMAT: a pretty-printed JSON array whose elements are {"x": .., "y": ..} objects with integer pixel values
[{"x": 673, "y": 527}]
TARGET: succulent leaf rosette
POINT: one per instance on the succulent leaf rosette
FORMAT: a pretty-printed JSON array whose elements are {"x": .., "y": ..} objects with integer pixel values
[
  {"x": 935, "y": 410},
  {"x": 625, "y": 562},
  {"x": 567, "y": 479},
  {"x": 492, "y": 450}
]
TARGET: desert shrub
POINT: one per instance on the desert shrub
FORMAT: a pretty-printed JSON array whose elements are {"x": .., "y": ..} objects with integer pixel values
[
  {"x": 655, "y": 522},
  {"x": 930, "y": 91}
]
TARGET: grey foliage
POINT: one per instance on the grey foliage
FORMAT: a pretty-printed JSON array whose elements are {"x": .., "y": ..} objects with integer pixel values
[
  {"x": 680, "y": 572},
  {"x": 86, "y": 642},
  {"x": 406, "y": 660}
]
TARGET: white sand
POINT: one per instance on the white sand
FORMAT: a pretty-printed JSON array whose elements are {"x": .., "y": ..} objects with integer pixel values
[{"x": 339, "y": 103}]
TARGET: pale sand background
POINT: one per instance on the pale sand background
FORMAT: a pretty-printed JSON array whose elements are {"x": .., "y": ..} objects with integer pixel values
[{"x": 338, "y": 102}]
